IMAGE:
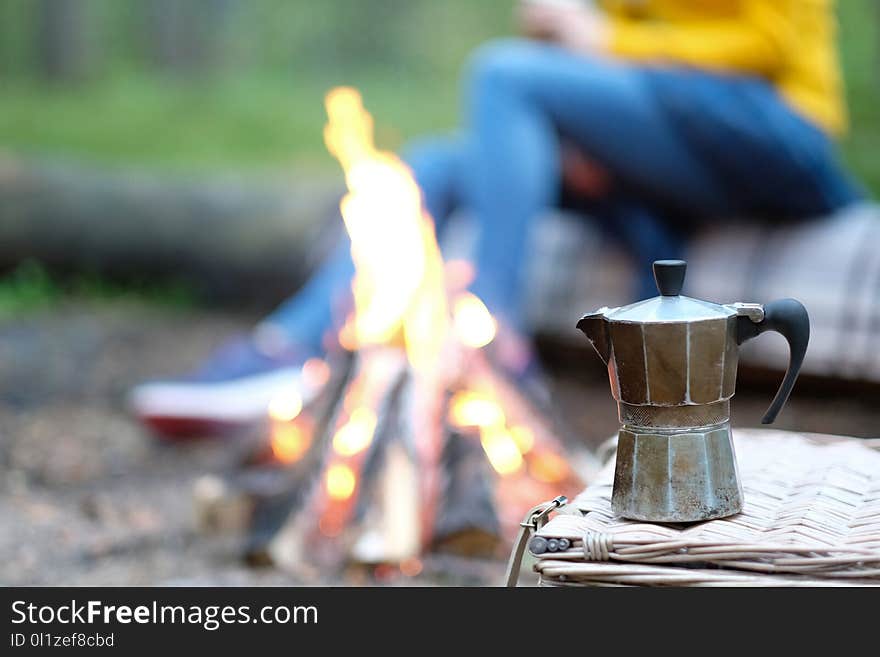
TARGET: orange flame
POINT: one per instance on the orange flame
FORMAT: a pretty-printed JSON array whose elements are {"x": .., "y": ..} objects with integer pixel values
[
  {"x": 504, "y": 446},
  {"x": 473, "y": 324},
  {"x": 398, "y": 285},
  {"x": 473, "y": 409},
  {"x": 501, "y": 450},
  {"x": 355, "y": 435},
  {"x": 523, "y": 437},
  {"x": 549, "y": 468},
  {"x": 289, "y": 442},
  {"x": 340, "y": 481},
  {"x": 400, "y": 294}
]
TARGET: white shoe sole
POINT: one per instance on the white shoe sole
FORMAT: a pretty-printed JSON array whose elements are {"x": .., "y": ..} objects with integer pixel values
[{"x": 229, "y": 402}]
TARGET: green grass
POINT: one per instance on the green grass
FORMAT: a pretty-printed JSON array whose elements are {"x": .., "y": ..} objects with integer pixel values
[
  {"x": 272, "y": 119},
  {"x": 267, "y": 122},
  {"x": 860, "y": 46},
  {"x": 29, "y": 288}
]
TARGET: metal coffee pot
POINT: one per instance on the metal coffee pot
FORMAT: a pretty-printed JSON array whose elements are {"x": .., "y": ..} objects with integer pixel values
[{"x": 672, "y": 365}]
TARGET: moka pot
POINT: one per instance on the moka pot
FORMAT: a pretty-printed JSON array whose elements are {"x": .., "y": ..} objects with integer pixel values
[{"x": 672, "y": 364}]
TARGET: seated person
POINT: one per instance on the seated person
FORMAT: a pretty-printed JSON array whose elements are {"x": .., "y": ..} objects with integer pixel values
[{"x": 650, "y": 116}]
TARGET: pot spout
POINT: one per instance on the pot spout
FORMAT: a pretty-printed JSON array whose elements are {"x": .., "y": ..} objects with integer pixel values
[{"x": 595, "y": 328}]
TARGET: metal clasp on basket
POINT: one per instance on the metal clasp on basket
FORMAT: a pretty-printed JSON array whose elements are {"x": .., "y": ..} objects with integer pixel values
[
  {"x": 533, "y": 521},
  {"x": 537, "y": 517}
]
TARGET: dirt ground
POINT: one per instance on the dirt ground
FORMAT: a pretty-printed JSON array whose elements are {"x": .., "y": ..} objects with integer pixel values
[{"x": 87, "y": 497}]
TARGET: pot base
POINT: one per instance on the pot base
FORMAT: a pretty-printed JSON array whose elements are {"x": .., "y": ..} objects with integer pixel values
[{"x": 676, "y": 476}]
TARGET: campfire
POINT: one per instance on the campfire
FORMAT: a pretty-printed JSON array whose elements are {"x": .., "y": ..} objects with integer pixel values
[{"x": 408, "y": 439}]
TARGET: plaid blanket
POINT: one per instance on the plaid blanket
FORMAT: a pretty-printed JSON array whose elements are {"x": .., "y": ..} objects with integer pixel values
[{"x": 830, "y": 264}]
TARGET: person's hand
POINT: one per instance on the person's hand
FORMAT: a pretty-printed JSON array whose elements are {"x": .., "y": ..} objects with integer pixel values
[{"x": 574, "y": 24}]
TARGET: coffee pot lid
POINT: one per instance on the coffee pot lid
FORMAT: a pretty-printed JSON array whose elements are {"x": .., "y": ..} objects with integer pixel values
[{"x": 671, "y": 305}]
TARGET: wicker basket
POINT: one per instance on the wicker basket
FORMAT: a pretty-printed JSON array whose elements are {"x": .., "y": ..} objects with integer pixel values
[{"x": 811, "y": 518}]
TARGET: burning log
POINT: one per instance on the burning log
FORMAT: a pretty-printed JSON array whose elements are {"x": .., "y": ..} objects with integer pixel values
[
  {"x": 389, "y": 527},
  {"x": 348, "y": 454},
  {"x": 291, "y": 459},
  {"x": 467, "y": 522},
  {"x": 374, "y": 499},
  {"x": 350, "y": 485},
  {"x": 277, "y": 467},
  {"x": 518, "y": 439},
  {"x": 396, "y": 514}
]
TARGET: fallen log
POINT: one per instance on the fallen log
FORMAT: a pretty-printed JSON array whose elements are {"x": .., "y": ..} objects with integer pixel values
[{"x": 226, "y": 237}]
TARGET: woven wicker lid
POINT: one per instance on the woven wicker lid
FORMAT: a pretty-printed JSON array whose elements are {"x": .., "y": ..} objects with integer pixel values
[{"x": 811, "y": 516}]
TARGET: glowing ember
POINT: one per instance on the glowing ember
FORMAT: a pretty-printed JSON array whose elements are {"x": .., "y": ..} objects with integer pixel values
[
  {"x": 315, "y": 373},
  {"x": 340, "y": 481},
  {"x": 473, "y": 324},
  {"x": 549, "y": 468},
  {"x": 355, "y": 435},
  {"x": 289, "y": 442},
  {"x": 347, "y": 337},
  {"x": 330, "y": 526},
  {"x": 411, "y": 567},
  {"x": 505, "y": 445},
  {"x": 285, "y": 406},
  {"x": 523, "y": 437},
  {"x": 501, "y": 450},
  {"x": 471, "y": 409}
]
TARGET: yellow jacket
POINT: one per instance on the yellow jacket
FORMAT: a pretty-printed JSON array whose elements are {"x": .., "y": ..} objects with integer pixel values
[{"x": 789, "y": 42}]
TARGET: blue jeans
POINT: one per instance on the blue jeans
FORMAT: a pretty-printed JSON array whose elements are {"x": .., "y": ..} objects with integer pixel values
[{"x": 681, "y": 146}]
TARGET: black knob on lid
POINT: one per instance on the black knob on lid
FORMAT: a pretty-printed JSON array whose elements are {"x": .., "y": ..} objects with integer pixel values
[{"x": 669, "y": 275}]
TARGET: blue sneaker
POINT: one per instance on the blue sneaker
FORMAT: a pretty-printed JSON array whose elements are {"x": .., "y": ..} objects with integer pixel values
[{"x": 230, "y": 392}]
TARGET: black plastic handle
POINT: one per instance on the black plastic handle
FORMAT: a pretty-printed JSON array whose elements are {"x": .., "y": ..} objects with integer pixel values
[{"x": 789, "y": 318}]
